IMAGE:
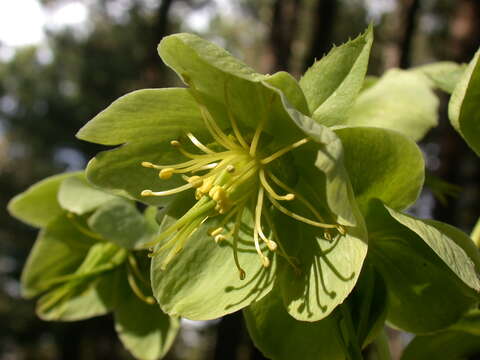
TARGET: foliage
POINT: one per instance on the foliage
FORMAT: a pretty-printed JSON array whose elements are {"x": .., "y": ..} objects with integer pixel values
[{"x": 280, "y": 198}]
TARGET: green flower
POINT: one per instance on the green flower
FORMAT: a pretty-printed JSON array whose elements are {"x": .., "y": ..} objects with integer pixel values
[{"x": 83, "y": 263}]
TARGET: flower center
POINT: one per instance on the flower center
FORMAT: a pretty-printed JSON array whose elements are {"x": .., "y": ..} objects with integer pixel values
[{"x": 226, "y": 183}]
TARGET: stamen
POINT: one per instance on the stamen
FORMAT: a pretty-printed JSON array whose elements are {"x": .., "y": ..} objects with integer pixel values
[
  {"x": 284, "y": 151},
  {"x": 148, "y": 192},
  {"x": 166, "y": 173},
  {"x": 136, "y": 290},
  {"x": 233, "y": 121},
  {"x": 299, "y": 217},
  {"x": 198, "y": 144},
  {"x": 297, "y": 195},
  {"x": 258, "y": 212},
  {"x": 259, "y": 129},
  {"x": 236, "y": 229},
  {"x": 258, "y": 221},
  {"x": 230, "y": 168},
  {"x": 272, "y": 192}
]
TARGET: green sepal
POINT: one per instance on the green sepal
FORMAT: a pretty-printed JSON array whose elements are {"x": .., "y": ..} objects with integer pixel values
[
  {"x": 120, "y": 170},
  {"x": 443, "y": 75},
  {"x": 425, "y": 295},
  {"x": 202, "y": 282},
  {"x": 79, "y": 197},
  {"x": 332, "y": 83},
  {"x": 280, "y": 337},
  {"x": 463, "y": 106},
  {"x": 143, "y": 328},
  {"x": 120, "y": 222},
  {"x": 38, "y": 205},
  {"x": 400, "y": 100},
  {"x": 91, "y": 290},
  {"x": 144, "y": 115},
  {"x": 382, "y": 164},
  {"x": 59, "y": 249}
]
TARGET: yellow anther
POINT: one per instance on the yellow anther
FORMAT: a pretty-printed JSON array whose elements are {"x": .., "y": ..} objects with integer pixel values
[
  {"x": 341, "y": 229},
  {"x": 166, "y": 173},
  {"x": 219, "y": 238},
  {"x": 196, "y": 181},
  {"x": 272, "y": 245},
  {"x": 327, "y": 236},
  {"x": 147, "y": 193},
  {"x": 218, "y": 194},
  {"x": 265, "y": 262},
  {"x": 216, "y": 231},
  {"x": 289, "y": 197},
  {"x": 207, "y": 185},
  {"x": 198, "y": 194},
  {"x": 242, "y": 274},
  {"x": 230, "y": 168},
  {"x": 147, "y": 164},
  {"x": 175, "y": 143}
]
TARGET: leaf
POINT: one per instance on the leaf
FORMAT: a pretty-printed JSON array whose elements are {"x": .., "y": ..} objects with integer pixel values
[
  {"x": 59, "y": 250},
  {"x": 281, "y": 337},
  {"x": 424, "y": 294},
  {"x": 446, "y": 345},
  {"x": 463, "y": 106},
  {"x": 78, "y": 196},
  {"x": 143, "y": 328},
  {"x": 332, "y": 83},
  {"x": 400, "y": 100},
  {"x": 121, "y": 223},
  {"x": 382, "y": 164},
  {"x": 203, "y": 282},
  {"x": 289, "y": 87},
  {"x": 443, "y": 75},
  {"x": 450, "y": 244},
  {"x": 38, "y": 204},
  {"x": 144, "y": 114}
]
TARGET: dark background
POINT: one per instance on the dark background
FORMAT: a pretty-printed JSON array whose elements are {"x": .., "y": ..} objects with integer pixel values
[{"x": 44, "y": 100}]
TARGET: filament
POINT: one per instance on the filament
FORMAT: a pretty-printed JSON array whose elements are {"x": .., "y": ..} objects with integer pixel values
[
  {"x": 233, "y": 122},
  {"x": 270, "y": 190},
  {"x": 299, "y": 217},
  {"x": 198, "y": 144},
  {"x": 284, "y": 151},
  {"x": 297, "y": 195},
  {"x": 236, "y": 229}
]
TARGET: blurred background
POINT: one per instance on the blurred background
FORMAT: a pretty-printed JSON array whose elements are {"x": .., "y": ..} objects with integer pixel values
[{"x": 62, "y": 61}]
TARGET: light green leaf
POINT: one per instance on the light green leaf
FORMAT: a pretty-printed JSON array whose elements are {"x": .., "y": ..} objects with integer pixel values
[
  {"x": 78, "y": 196},
  {"x": 281, "y": 337},
  {"x": 424, "y": 294},
  {"x": 443, "y": 75},
  {"x": 202, "y": 282},
  {"x": 144, "y": 115},
  {"x": 382, "y": 164},
  {"x": 463, "y": 107},
  {"x": 400, "y": 100},
  {"x": 120, "y": 169},
  {"x": 60, "y": 248},
  {"x": 38, "y": 204},
  {"x": 143, "y": 328},
  {"x": 332, "y": 83},
  {"x": 121, "y": 223},
  {"x": 290, "y": 88},
  {"x": 451, "y": 245},
  {"x": 446, "y": 345}
]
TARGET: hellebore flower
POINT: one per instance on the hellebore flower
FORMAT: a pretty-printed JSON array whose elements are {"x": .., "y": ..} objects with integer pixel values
[
  {"x": 84, "y": 262},
  {"x": 237, "y": 156}
]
